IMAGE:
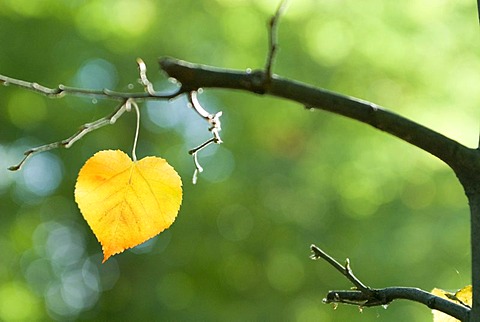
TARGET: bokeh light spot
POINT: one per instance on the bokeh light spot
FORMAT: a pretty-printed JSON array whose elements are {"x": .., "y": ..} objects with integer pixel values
[
  {"x": 329, "y": 42},
  {"x": 308, "y": 310},
  {"x": 17, "y": 303},
  {"x": 285, "y": 272},
  {"x": 218, "y": 166},
  {"x": 42, "y": 174},
  {"x": 122, "y": 19},
  {"x": 59, "y": 270},
  {"x": 132, "y": 17},
  {"x": 27, "y": 110},
  {"x": 27, "y": 8},
  {"x": 96, "y": 73},
  {"x": 65, "y": 246}
]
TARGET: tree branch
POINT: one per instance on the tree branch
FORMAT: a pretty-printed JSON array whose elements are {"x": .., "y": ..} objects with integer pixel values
[
  {"x": 62, "y": 90},
  {"x": 84, "y": 129},
  {"x": 478, "y": 9},
  {"x": 194, "y": 76},
  {"x": 474, "y": 204},
  {"x": 365, "y": 296},
  {"x": 127, "y": 101},
  {"x": 464, "y": 161}
]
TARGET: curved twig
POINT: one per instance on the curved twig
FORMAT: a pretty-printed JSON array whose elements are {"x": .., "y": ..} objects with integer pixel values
[
  {"x": 215, "y": 128},
  {"x": 84, "y": 129}
]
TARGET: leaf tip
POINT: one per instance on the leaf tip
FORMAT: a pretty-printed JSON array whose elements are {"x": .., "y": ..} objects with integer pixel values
[{"x": 109, "y": 252}]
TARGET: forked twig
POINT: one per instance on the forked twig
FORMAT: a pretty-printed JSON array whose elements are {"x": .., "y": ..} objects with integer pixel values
[
  {"x": 344, "y": 269},
  {"x": 127, "y": 101},
  {"x": 215, "y": 128},
  {"x": 364, "y": 296},
  {"x": 84, "y": 129}
]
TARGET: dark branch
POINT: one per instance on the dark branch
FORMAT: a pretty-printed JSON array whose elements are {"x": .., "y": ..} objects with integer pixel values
[
  {"x": 365, "y": 296},
  {"x": 478, "y": 9},
  {"x": 384, "y": 296},
  {"x": 194, "y": 76}
]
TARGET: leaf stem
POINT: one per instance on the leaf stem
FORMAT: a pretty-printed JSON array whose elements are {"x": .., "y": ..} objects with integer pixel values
[{"x": 137, "y": 130}]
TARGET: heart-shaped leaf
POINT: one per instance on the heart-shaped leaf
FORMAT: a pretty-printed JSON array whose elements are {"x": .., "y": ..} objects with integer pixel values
[{"x": 127, "y": 202}]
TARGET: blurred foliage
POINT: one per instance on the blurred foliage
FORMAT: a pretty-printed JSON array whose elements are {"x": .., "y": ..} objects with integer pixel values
[{"x": 285, "y": 177}]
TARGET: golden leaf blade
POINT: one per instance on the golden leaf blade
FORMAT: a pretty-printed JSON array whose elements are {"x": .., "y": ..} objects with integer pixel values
[
  {"x": 126, "y": 203},
  {"x": 462, "y": 296}
]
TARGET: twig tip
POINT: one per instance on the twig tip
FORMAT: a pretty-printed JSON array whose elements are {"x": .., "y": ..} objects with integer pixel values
[{"x": 140, "y": 62}]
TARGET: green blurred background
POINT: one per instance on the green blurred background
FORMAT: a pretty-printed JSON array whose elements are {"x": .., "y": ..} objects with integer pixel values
[{"x": 285, "y": 177}]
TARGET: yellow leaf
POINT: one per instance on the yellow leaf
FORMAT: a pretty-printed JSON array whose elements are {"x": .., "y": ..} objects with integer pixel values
[
  {"x": 127, "y": 202},
  {"x": 462, "y": 296}
]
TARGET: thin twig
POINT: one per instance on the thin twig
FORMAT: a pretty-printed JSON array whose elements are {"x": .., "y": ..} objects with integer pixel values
[
  {"x": 345, "y": 270},
  {"x": 63, "y": 90},
  {"x": 127, "y": 100},
  {"x": 201, "y": 146},
  {"x": 215, "y": 128},
  {"x": 84, "y": 129},
  {"x": 144, "y": 79},
  {"x": 193, "y": 99},
  {"x": 272, "y": 38}
]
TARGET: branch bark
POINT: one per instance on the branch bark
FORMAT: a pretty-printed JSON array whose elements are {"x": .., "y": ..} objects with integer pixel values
[
  {"x": 471, "y": 182},
  {"x": 384, "y": 296},
  {"x": 365, "y": 296}
]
